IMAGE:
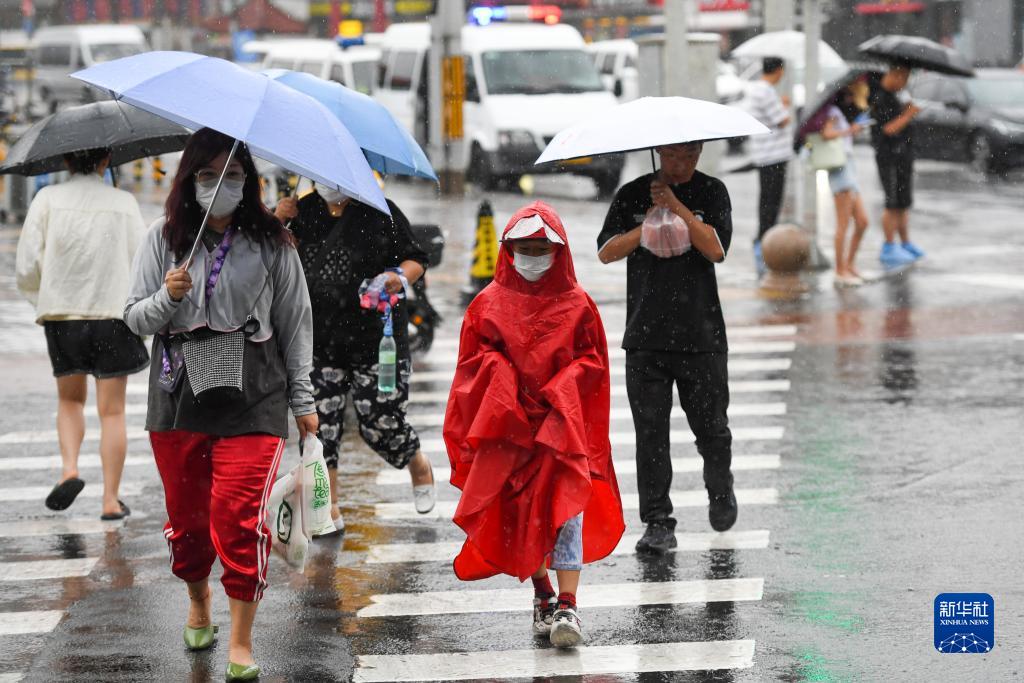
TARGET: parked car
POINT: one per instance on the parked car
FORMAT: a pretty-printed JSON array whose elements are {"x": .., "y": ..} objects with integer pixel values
[
  {"x": 59, "y": 51},
  {"x": 975, "y": 120},
  {"x": 354, "y": 67},
  {"x": 616, "y": 62}
]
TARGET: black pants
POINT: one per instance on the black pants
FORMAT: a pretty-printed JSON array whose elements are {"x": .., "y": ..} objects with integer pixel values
[
  {"x": 702, "y": 380},
  {"x": 773, "y": 185}
]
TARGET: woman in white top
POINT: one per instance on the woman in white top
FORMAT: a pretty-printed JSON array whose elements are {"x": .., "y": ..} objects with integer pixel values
[
  {"x": 73, "y": 263},
  {"x": 850, "y": 102}
]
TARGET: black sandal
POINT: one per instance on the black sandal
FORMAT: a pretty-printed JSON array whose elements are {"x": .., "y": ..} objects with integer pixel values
[
  {"x": 114, "y": 516},
  {"x": 64, "y": 494}
]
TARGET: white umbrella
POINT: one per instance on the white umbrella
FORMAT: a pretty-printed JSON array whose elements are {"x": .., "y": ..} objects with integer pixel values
[
  {"x": 648, "y": 123},
  {"x": 787, "y": 45}
]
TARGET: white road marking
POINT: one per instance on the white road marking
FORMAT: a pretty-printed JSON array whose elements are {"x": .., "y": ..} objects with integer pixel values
[
  {"x": 628, "y": 438},
  {"x": 445, "y": 509},
  {"x": 597, "y": 595},
  {"x": 436, "y": 358},
  {"x": 688, "y": 542},
  {"x": 998, "y": 280},
  {"x": 22, "y": 623},
  {"x": 620, "y": 413},
  {"x": 551, "y": 662},
  {"x": 736, "y": 367},
  {"x": 50, "y": 436},
  {"x": 46, "y": 569},
  {"x": 11, "y": 678},
  {"x": 57, "y": 527},
  {"x": 393, "y": 477},
  {"x": 39, "y": 493},
  {"x": 766, "y": 386},
  {"x": 138, "y": 389},
  {"x": 53, "y": 462},
  {"x": 131, "y": 409}
]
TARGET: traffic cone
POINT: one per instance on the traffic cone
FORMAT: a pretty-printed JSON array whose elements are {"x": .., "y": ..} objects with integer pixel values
[
  {"x": 158, "y": 171},
  {"x": 138, "y": 171},
  {"x": 485, "y": 254}
]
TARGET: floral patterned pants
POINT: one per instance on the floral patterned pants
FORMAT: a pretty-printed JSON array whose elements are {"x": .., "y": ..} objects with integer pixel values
[{"x": 382, "y": 420}]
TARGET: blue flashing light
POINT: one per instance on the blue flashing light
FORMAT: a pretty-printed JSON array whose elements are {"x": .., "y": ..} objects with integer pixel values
[
  {"x": 350, "y": 42},
  {"x": 482, "y": 16}
]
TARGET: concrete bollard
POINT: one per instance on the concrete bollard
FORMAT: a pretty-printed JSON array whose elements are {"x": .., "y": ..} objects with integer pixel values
[{"x": 786, "y": 250}]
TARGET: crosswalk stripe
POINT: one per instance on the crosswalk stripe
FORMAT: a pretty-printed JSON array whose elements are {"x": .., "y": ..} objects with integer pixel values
[
  {"x": 597, "y": 595},
  {"x": 57, "y": 527},
  {"x": 624, "y": 413},
  {"x": 393, "y": 477},
  {"x": 619, "y": 390},
  {"x": 20, "y": 493},
  {"x": 51, "y": 462},
  {"x": 135, "y": 389},
  {"x": 46, "y": 569},
  {"x": 732, "y": 332},
  {"x": 50, "y": 436},
  {"x": 628, "y": 438},
  {"x": 23, "y": 623},
  {"x": 688, "y": 542},
  {"x": 129, "y": 409},
  {"x": 594, "y": 660},
  {"x": 11, "y": 677},
  {"x": 736, "y": 367},
  {"x": 449, "y": 358},
  {"x": 445, "y": 509}
]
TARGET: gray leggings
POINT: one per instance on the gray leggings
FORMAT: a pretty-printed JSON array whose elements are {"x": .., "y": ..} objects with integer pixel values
[{"x": 568, "y": 552}]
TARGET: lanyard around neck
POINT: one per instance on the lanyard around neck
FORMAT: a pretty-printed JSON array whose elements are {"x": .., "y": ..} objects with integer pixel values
[{"x": 218, "y": 261}]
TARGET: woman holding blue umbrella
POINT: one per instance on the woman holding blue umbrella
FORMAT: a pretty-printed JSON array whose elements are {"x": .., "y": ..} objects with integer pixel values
[
  {"x": 342, "y": 243},
  {"x": 232, "y": 352}
]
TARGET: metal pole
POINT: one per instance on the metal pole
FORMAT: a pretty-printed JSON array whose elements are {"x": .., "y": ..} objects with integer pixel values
[
  {"x": 676, "y": 50},
  {"x": 206, "y": 216},
  {"x": 809, "y": 176},
  {"x": 447, "y": 156}
]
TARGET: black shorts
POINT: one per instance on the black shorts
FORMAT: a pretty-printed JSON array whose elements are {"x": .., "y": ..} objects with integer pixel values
[
  {"x": 101, "y": 348},
  {"x": 897, "y": 176}
]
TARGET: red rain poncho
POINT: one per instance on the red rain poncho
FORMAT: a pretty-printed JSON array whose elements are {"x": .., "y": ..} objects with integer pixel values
[{"x": 527, "y": 420}]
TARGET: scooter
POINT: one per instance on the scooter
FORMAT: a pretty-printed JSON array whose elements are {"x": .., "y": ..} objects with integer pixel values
[{"x": 423, "y": 317}]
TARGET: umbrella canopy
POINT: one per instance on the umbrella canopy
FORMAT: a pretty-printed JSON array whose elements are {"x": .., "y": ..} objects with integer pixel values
[
  {"x": 277, "y": 123},
  {"x": 827, "y": 97},
  {"x": 647, "y": 123},
  {"x": 919, "y": 53},
  {"x": 388, "y": 146},
  {"x": 787, "y": 45},
  {"x": 130, "y": 134}
]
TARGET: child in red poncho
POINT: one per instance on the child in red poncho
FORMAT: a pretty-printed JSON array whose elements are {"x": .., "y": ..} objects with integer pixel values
[{"x": 527, "y": 426}]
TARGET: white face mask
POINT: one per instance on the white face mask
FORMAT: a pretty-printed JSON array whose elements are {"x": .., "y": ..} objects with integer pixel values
[
  {"x": 330, "y": 195},
  {"x": 532, "y": 268},
  {"x": 228, "y": 199}
]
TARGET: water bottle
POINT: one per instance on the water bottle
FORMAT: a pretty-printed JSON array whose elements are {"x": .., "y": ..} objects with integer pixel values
[{"x": 386, "y": 358}]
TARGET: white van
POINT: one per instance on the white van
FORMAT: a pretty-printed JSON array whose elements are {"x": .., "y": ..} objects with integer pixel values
[
  {"x": 61, "y": 50},
  {"x": 524, "y": 83},
  {"x": 616, "y": 61},
  {"x": 354, "y": 66}
]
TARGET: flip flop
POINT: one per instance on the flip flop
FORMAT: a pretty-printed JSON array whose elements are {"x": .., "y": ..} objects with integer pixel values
[
  {"x": 114, "y": 516},
  {"x": 64, "y": 494}
]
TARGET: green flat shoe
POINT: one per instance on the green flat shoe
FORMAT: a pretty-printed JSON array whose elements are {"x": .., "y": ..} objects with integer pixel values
[
  {"x": 241, "y": 672},
  {"x": 200, "y": 638}
]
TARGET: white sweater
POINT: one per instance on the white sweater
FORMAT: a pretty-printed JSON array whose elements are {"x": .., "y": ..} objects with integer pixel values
[{"x": 76, "y": 249}]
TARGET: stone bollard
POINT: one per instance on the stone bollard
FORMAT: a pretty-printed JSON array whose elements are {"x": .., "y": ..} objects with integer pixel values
[{"x": 786, "y": 250}]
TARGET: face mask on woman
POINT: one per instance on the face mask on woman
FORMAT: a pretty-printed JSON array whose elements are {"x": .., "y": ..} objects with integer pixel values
[
  {"x": 532, "y": 268},
  {"x": 330, "y": 195},
  {"x": 228, "y": 199}
]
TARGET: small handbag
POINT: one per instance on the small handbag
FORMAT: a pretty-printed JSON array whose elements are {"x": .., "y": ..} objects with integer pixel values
[{"x": 826, "y": 155}]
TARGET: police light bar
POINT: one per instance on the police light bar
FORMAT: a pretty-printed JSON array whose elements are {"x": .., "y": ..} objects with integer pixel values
[{"x": 548, "y": 14}]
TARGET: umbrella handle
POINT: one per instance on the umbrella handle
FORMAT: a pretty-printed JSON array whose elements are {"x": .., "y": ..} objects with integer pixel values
[{"x": 206, "y": 216}]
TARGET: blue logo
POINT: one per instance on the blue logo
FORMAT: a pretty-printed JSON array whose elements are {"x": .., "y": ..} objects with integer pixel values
[{"x": 965, "y": 623}]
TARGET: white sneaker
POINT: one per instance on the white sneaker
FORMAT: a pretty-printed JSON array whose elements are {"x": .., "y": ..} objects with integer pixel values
[
  {"x": 543, "y": 614},
  {"x": 425, "y": 496},
  {"x": 566, "y": 629},
  {"x": 339, "y": 527}
]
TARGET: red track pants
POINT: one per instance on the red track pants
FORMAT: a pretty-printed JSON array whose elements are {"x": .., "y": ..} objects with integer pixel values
[{"x": 216, "y": 490}]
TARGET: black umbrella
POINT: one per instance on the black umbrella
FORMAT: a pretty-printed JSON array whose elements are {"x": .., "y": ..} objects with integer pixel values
[
  {"x": 918, "y": 53},
  {"x": 129, "y": 132},
  {"x": 827, "y": 97}
]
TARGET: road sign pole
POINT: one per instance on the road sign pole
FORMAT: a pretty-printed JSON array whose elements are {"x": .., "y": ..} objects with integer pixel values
[
  {"x": 809, "y": 176},
  {"x": 446, "y": 95}
]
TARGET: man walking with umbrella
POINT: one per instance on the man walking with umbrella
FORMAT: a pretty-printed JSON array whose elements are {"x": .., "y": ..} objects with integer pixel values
[{"x": 675, "y": 332}]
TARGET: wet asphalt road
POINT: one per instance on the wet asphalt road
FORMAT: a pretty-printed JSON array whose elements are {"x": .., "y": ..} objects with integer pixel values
[{"x": 882, "y": 430}]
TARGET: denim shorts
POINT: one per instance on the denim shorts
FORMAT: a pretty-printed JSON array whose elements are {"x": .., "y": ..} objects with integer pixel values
[
  {"x": 568, "y": 552},
  {"x": 844, "y": 178}
]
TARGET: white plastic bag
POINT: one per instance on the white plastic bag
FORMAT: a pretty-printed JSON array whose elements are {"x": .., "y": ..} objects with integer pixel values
[
  {"x": 285, "y": 517},
  {"x": 315, "y": 492},
  {"x": 664, "y": 234}
]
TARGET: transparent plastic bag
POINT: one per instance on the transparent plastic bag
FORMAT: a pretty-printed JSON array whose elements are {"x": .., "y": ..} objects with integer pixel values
[
  {"x": 314, "y": 490},
  {"x": 664, "y": 234}
]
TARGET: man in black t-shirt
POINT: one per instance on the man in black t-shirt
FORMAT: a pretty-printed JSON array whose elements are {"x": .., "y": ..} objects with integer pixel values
[
  {"x": 894, "y": 156},
  {"x": 675, "y": 334}
]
